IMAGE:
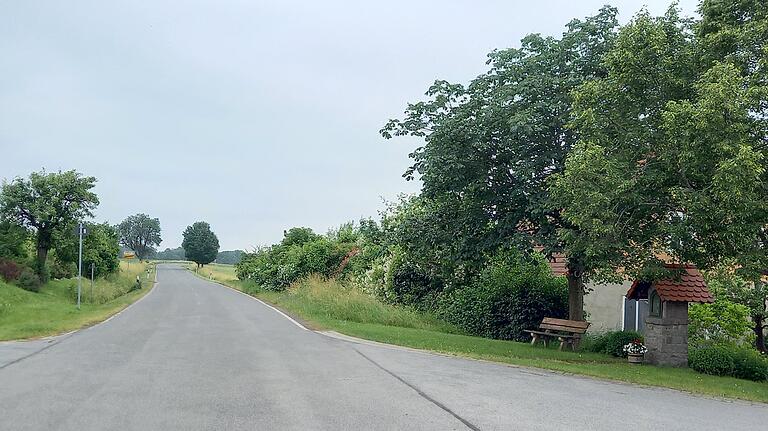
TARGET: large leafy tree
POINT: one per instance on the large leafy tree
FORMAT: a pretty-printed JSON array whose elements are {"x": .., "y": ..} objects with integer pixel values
[
  {"x": 491, "y": 146},
  {"x": 46, "y": 202},
  {"x": 671, "y": 157},
  {"x": 200, "y": 243},
  {"x": 140, "y": 233}
]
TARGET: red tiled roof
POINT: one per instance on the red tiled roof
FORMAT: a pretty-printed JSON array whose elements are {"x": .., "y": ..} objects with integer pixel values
[
  {"x": 688, "y": 287},
  {"x": 558, "y": 263}
]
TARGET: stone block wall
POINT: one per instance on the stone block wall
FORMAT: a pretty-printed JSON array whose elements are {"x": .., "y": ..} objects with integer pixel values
[{"x": 667, "y": 336}]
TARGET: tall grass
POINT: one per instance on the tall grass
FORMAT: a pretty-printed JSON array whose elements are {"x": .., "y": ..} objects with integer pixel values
[
  {"x": 322, "y": 301},
  {"x": 108, "y": 288},
  {"x": 53, "y": 310}
]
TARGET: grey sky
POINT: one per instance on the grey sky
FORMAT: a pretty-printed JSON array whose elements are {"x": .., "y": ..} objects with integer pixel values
[{"x": 253, "y": 116}]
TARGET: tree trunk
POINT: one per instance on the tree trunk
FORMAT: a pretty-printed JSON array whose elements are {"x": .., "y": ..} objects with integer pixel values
[
  {"x": 575, "y": 295},
  {"x": 760, "y": 335},
  {"x": 43, "y": 245}
]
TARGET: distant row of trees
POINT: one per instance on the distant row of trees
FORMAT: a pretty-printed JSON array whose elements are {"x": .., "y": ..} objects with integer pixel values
[{"x": 227, "y": 257}]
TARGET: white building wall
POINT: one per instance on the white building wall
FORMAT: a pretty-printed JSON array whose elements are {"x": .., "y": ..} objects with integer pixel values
[{"x": 604, "y": 306}]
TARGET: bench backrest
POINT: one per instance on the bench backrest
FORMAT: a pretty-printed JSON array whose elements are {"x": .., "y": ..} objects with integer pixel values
[{"x": 573, "y": 326}]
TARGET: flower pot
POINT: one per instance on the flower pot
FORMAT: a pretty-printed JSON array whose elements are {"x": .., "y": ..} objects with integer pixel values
[{"x": 635, "y": 358}]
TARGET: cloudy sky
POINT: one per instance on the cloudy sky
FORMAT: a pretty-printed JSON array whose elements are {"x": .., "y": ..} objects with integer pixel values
[{"x": 253, "y": 116}]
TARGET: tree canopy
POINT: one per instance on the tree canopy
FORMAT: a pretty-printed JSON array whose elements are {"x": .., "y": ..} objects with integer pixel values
[
  {"x": 46, "y": 202},
  {"x": 671, "y": 158},
  {"x": 491, "y": 146},
  {"x": 200, "y": 243},
  {"x": 140, "y": 233}
]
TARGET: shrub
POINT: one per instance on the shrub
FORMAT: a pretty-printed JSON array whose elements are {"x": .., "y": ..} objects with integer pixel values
[
  {"x": 749, "y": 364},
  {"x": 9, "y": 270},
  {"x": 510, "y": 296},
  {"x": 725, "y": 360},
  {"x": 408, "y": 283},
  {"x": 611, "y": 342},
  {"x": 301, "y": 254},
  {"x": 62, "y": 270},
  {"x": 721, "y": 322},
  {"x": 28, "y": 280}
]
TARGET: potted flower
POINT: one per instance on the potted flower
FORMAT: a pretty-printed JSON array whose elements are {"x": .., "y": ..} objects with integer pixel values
[{"x": 635, "y": 351}]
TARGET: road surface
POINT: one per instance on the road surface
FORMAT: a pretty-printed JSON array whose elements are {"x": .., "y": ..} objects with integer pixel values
[{"x": 193, "y": 355}]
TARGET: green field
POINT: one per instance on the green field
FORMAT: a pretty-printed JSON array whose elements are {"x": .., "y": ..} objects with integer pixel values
[
  {"x": 53, "y": 310},
  {"x": 330, "y": 305}
]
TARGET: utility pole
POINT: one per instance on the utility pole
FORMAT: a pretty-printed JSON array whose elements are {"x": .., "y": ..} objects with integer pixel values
[
  {"x": 92, "y": 265},
  {"x": 80, "y": 264}
]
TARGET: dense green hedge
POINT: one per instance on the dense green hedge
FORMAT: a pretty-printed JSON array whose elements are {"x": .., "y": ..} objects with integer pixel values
[
  {"x": 301, "y": 253},
  {"x": 725, "y": 360},
  {"x": 510, "y": 296}
]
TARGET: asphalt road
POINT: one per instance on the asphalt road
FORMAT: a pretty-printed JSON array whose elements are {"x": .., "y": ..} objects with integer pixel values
[{"x": 194, "y": 355}]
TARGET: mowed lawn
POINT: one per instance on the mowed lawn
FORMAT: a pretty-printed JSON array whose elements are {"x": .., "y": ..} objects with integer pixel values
[
  {"x": 330, "y": 305},
  {"x": 53, "y": 310}
]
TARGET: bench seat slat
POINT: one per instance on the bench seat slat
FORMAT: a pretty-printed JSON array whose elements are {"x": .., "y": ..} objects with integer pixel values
[
  {"x": 563, "y": 328},
  {"x": 563, "y": 322}
]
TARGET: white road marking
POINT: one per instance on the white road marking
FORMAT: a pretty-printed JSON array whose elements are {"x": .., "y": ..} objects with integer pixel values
[{"x": 259, "y": 300}]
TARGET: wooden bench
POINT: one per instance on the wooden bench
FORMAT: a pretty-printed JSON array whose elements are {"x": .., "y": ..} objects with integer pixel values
[{"x": 566, "y": 331}]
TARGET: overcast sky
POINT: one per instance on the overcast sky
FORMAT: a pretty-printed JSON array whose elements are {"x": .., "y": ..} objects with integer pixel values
[{"x": 253, "y": 116}]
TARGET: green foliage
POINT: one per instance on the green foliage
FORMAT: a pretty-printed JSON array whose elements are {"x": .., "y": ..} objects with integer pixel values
[
  {"x": 30, "y": 281},
  {"x": 200, "y": 243},
  {"x": 100, "y": 248},
  {"x": 298, "y": 236},
  {"x": 724, "y": 360},
  {"x": 229, "y": 257},
  {"x": 714, "y": 360},
  {"x": 721, "y": 322},
  {"x": 611, "y": 342},
  {"x": 170, "y": 254},
  {"x": 408, "y": 282},
  {"x": 324, "y": 300},
  {"x": 491, "y": 146},
  {"x": 13, "y": 241},
  {"x": 46, "y": 202},
  {"x": 671, "y": 152},
  {"x": 60, "y": 269},
  {"x": 728, "y": 285},
  {"x": 141, "y": 234},
  {"x": 510, "y": 296},
  {"x": 300, "y": 254}
]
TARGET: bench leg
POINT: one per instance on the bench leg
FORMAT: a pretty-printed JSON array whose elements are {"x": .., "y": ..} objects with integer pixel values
[{"x": 534, "y": 337}]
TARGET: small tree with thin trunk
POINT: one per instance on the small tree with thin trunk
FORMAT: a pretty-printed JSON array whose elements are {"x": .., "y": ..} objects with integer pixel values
[{"x": 46, "y": 202}]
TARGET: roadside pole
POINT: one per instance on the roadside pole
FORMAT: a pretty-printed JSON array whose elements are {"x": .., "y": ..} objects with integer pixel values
[
  {"x": 92, "y": 265},
  {"x": 80, "y": 264}
]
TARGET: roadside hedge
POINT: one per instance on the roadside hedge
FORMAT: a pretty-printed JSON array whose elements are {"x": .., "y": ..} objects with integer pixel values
[
  {"x": 726, "y": 360},
  {"x": 510, "y": 296}
]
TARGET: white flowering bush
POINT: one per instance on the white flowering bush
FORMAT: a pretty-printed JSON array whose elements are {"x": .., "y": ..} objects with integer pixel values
[{"x": 636, "y": 347}]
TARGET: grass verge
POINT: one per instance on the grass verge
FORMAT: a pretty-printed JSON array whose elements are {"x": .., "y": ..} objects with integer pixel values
[
  {"x": 53, "y": 310},
  {"x": 331, "y": 305}
]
